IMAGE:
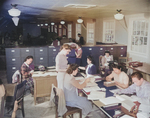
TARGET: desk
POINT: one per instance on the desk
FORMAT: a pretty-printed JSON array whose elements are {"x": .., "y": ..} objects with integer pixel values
[
  {"x": 109, "y": 111},
  {"x": 43, "y": 85},
  {"x": 145, "y": 70}
]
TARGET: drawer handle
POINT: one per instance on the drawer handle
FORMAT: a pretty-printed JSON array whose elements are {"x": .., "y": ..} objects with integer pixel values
[
  {"x": 121, "y": 48},
  {"x": 54, "y": 49},
  {"x": 13, "y": 68},
  {"x": 12, "y": 50},
  {"x": 90, "y": 48},
  {"x": 121, "y": 55},
  {"x": 101, "y": 48},
  {"x": 41, "y": 58},
  {"x": 27, "y": 50},
  {"x": 13, "y": 59},
  {"x": 111, "y": 48},
  {"x": 41, "y": 50}
]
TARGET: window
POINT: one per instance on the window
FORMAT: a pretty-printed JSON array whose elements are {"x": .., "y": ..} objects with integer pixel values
[
  {"x": 69, "y": 30},
  {"x": 78, "y": 30},
  {"x": 90, "y": 32},
  {"x": 60, "y": 30},
  {"x": 52, "y": 28},
  {"x": 55, "y": 28},
  {"x": 109, "y": 31},
  {"x": 139, "y": 36}
]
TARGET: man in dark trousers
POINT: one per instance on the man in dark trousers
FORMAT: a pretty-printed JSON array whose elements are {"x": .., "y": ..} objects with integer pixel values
[{"x": 81, "y": 40}]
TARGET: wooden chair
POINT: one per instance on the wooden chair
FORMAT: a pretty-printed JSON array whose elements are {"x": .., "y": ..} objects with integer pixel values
[
  {"x": 18, "y": 95},
  {"x": 70, "y": 110}
]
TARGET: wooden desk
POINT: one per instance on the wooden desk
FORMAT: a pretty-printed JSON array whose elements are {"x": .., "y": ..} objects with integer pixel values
[
  {"x": 43, "y": 85},
  {"x": 145, "y": 70}
]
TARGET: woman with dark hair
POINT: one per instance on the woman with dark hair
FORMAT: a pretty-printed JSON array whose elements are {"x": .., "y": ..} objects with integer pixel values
[
  {"x": 27, "y": 72},
  {"x": 90, "y": 68},
  {"x": 70, "y": 86},
  {"x": 61, "y": 64},
  {"x": 106, "y": 58},
  {"x": 121, "y": 78}
]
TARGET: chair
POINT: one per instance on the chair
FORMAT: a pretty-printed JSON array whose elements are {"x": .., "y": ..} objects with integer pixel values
[
  {"x": 2, "y": 107},
  {"x": 18, "y": 95},
  {"x": 70, "y": 110}
]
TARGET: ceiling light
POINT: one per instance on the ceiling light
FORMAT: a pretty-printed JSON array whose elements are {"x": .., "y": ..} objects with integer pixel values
[
  {"x": 41, "y": 24},
  {"x": 15, "y": 20},
  {"x": 80, "y": 20},
  {"x": 62, "y": 22},
  {"x": 118, "y": 16},
  {"x": 14, "y": 12},
  {"x": 46, "y": 24},
  {"x": 52, "y": 23},
  {"x": 38, "y": 25}
]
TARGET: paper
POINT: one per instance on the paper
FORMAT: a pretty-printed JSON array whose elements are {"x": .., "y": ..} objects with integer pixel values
[
  {"x": 96, "y": 77},
  {"x": 96, "y": 95},
  {"x": 79, "y": 78},
  {"x": 51, "y": 70},
  {"x": 92, "y": 88},
  {"x": 91, "y": 84},
  {"x": 126, "y": 116},
  {"x": 110, "y": 100},
  {"x": 114, "y": 90},
  {"x": 51, "y": 67}
]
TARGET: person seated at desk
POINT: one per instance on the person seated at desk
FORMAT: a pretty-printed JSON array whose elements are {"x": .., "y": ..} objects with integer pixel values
[
  {"x": 27, "y": 72},
  {"x": 70, "y": 87},
  {"x": 121, "y": 78},
  {"x": 106, "y": 58},
  {"x": 90, "y": 68},
  {"x": 142, "y": 89}
]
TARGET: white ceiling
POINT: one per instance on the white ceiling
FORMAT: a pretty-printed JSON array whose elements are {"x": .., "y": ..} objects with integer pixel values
[{"x": 54, "y": 10}]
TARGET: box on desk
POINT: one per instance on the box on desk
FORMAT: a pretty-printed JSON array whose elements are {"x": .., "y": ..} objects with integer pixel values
[
  {"x": 135, "y": 64},
  {"x": 109, "y": 84}
]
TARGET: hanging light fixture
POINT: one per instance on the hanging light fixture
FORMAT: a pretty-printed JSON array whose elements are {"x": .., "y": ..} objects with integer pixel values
[
  {"x": 14, "y": 11},
  {"x": 62, "y": 22},
  {"x": 52, "y": 23},
  {"x": 80, "y": 20},
  {"x": 118, "y": 16},
  {"x": 46, "y": 24},
  {"x": 15, "y": 20}
]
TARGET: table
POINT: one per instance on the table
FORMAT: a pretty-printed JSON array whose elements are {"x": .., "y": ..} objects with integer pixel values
[
  {"x": 43, "y": 85},
  {"x": 145, "y": 70}
]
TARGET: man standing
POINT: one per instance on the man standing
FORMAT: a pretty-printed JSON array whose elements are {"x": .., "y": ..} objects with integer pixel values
[{"x": 81, "y": 39}]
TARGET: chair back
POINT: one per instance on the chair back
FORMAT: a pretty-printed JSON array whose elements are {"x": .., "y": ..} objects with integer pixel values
[
  {"x": 19, "y": 90},
  {"x": 2, "y": 107}
]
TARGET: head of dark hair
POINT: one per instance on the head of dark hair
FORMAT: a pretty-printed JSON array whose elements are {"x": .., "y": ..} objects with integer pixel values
[
  {"x": 107, "y": 51},
  {"x": 28, "y": 57},
  {"x": 71, "y": 68},
  {"x": 90, "y": 58},
  {"x": 79, "y": 45},
  {"x": 1, "y": 82},
  {"x": 137, "y": 74},
  {"x": 118, "y": 66},
  {"x": 79, "y": 34}
]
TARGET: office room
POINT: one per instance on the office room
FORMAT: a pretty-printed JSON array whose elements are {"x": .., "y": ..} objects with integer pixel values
[{"x": 74, "y": 58}]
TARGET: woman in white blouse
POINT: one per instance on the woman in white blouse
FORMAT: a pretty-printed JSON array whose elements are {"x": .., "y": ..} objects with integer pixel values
[
  {"x": 106, "y": 58},
  {"x": 121, "y": 78}
]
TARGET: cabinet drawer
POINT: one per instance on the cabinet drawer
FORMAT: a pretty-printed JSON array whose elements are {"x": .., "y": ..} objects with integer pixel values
[
  {"x": 13, "y": 61},
  {"x": 12, "y": 52},
  {"x": 41, "y": 61},
  {"x": 42, "y": 51},
  {"x": 27, "y": 52}
]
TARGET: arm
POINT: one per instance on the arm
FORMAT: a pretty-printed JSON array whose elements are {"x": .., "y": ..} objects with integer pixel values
[
  {"x": 109, "y": 77},
  {"x": 130, "y": 90},
  {"x": 79, "y": 53},
  {"x": 82, "y": 68},
  {"x": 76, "y": 84},
  {"x": 103, "y": 61}
]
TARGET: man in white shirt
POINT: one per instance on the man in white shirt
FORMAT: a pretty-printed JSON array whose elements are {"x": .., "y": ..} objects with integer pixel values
[{"x": 142, "y": 89}]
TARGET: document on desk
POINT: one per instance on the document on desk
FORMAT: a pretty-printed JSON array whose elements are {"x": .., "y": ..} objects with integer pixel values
[
  {"x": 126, "y": 116},
  {"x": 125, "y": 101},
  {"x": 96, "y": 95},
  {"x": 91, "y": 88},
  {"x": 51, "y": 67},
  {"x": 51, "y": 70},
  {"x": 114, "y": 90},
  {"x": 91, "y": 84}
]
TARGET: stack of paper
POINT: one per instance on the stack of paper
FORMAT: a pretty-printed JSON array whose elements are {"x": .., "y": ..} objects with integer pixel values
[
  {"x": 96, "y": 95},
  {"x": 108, "y": 84},
  {"x": 91, "y": 84},
  {"x": 91, "y": 88}
]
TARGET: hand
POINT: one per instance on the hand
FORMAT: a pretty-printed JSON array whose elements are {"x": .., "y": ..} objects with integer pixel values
[{"x": 87, "y": 80}]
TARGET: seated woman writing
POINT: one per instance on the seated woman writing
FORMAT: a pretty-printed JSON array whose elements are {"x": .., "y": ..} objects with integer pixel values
[
  {"x": 106, "y": 58},
  {"x": 70, "y": 86},
  {"x": 121, "y": 78},
  {"x": 27, "y": 72},
  {"x": 90, "y": 68}
]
